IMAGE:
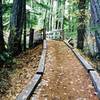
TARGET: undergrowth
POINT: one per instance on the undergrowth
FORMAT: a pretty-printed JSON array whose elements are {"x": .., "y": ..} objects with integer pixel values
[{"x": 6, "y": 67}]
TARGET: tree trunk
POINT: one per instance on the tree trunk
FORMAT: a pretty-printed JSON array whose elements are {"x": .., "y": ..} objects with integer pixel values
[
  {"x": 2, "y": 44},
  {"x": 80, "y": 36},
  {"x": 31, "y": 37},
  {"x": 50, "y": 18},
  {"x": 56, "y": 24},
  {"x": 81, "y": 27},
  {"x": 44, "y": 33},
  {"x": 95, "y": 18},
  {"x": 63, "y": 12},
  {"x": 24, "y": 9},
  {"x": 16, "y": 27}
]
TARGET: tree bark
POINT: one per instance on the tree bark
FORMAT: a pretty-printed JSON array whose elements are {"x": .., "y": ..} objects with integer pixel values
[
  {"x": 81, "y": 27},
  {"x": 16, "y": 27},
  {"x": 31, "y": 37},
  {"x": 2, "y": 44},
  {"x": 24, "y": 9},
  {"x": 95, "y": 18}
]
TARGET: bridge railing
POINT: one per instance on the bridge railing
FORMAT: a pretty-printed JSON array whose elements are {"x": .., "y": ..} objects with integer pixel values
[
  {"x": 35, "y": 37},
  {"x": 55, "y": 34}
]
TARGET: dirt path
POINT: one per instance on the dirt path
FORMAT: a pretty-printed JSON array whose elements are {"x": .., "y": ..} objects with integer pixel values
[{"x": 64, "y": 77}]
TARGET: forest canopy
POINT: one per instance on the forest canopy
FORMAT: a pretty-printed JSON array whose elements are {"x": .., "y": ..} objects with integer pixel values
[{"x": 79, "y": 20}]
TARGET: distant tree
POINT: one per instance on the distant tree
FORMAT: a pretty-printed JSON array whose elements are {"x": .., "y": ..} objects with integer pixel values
[{"x": 50, "y": 18}]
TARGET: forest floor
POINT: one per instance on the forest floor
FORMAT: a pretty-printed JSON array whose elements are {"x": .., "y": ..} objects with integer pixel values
[
  {"x": 24, "y": 69},
  {"x": 64, "y": 77},
  {"x": 95, "y": 64}
]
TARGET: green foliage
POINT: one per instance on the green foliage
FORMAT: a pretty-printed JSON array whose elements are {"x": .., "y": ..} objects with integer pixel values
[
  {"x": 95, "y": 28},
  {"x": 6, "y": 58},
  {"x": 6, "y": 14},
  {"x": 42, "y": 5},
  {"x": 7, "y": 7},
  {"x": 34, "y": 20}
]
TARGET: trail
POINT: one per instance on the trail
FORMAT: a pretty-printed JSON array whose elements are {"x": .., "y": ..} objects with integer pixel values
[{"x": 64, "y": 77}]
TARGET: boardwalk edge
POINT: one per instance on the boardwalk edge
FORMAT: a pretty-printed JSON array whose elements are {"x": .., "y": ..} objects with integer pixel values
[
  {"x": 96, "y": 81},
  {"x": 32, "y": 85},
  {"x": 92, "y": 72}
]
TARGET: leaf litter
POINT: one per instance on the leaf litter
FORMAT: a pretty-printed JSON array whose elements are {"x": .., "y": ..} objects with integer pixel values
[
  {"x": 24, "y": 69},
  {"x": 68, "y": 80}
]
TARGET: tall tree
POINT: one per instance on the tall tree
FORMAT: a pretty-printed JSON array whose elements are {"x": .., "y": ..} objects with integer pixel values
[
  {"x": 24, "y": 12},
  {"x": 50, "y": 18},
  {"x": 63, "y": 11},
  {"x": 95, "y": 19},
  {"x": 16, "y": 27},
  {"x": 31, "y": 37},
  {"x": 2, "y": 45},
  {"x": 81, "y": 26}
]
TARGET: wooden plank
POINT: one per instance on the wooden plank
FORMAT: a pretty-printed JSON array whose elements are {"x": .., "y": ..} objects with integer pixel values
[
  {"x": 42, "y": 63},
  {"x": 44, "y": 44},
  {"x": 59, "y": 30},
  {"x": 28, "y": 90},
  {"x": 94, "y": 75},
  {"x": 87, "y": 66},
  {"x": 66, "y": 42},
  {"x": 96, "y": 81}
]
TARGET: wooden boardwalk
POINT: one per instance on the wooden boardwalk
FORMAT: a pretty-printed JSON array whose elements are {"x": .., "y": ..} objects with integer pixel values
[{"x": 64, "y": 77}]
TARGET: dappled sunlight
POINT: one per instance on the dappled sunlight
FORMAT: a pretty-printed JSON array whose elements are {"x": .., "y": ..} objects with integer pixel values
[{"x": 49, "y": 49}]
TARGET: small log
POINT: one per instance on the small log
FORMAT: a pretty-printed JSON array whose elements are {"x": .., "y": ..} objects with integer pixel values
[
  {"x": 31, "y": 86},
  {"x": 96, "y": 81},
  {"x": 44, "y": 44},
  {"x": 42, "y": 63},
  {"x": 86, "y": 65}
]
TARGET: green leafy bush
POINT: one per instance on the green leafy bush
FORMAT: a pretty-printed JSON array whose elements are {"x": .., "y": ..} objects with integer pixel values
[{"x": 6, "y": 59}]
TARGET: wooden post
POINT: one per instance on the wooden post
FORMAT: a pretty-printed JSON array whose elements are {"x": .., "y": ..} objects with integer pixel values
[
  {"x": 62, "y": 34},
  {"x": 31, "y": 37},
  {"x": 44, "y": 34}
]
